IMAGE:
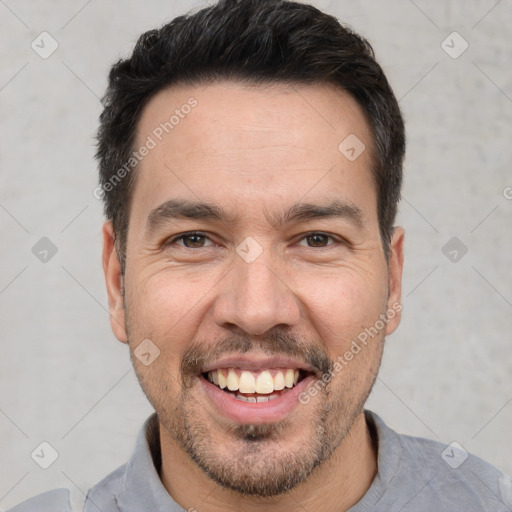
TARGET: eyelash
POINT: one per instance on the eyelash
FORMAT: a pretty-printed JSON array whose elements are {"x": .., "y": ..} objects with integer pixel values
[{"x": 200, "y": 233}]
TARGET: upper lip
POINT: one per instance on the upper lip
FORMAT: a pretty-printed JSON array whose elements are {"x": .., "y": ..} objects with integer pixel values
[{"x": 256, "y": 362}]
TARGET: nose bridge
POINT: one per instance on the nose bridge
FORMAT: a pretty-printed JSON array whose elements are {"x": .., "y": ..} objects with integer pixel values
[{"x": 255, "y": 296}]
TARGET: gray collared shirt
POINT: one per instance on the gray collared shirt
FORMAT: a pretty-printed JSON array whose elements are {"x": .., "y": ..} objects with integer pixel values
[{"x": 414, "y": 475}]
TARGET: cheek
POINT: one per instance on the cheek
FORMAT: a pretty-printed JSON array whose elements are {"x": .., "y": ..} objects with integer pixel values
[
  {"x": 169, "y": 306},
  {"x": 342, "y": 306}
]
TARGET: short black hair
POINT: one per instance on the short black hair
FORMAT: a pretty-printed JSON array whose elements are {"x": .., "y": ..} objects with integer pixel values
[{"x": 255, "y": 41}]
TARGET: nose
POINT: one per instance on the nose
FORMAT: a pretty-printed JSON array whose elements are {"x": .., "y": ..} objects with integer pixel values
[{"x": 256, "y": 297}]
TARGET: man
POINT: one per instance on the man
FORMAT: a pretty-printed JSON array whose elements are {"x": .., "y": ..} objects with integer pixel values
[{"x": 250, "y": 162}]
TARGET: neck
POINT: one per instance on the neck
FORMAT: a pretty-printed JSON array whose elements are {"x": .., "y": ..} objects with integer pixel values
[{"x": 334, "y": 486}]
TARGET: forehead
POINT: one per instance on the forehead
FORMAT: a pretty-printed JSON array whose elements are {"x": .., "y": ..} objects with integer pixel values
[{"x": 243, "y": 145}]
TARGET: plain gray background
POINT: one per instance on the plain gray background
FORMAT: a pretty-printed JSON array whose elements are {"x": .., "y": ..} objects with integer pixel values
[{"x": 64, "y": 378}]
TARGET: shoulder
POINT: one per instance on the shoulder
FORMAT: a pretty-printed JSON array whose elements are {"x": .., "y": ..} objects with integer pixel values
[
  {"x": 459, "y": 475},
  {"x": 446, "y": 473},
  {"x": 56, "y": 500},
  {"x": 103, "y": 494}
]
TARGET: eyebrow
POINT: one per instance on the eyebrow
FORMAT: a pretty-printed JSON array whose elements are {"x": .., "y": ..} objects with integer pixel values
[
  {"x": 184, "y": 209},
  {"x": 299, "y": 212},
  {"x": 303, "y": 212}
]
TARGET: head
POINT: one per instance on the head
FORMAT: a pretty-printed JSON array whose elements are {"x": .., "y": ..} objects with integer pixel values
[{"x": 250, "y": 163}]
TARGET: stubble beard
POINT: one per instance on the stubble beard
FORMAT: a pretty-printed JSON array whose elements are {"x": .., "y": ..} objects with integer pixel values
[{"x": 255, "y": 463}]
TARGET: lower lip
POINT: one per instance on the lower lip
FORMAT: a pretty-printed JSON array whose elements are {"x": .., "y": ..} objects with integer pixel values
[{"x": 255, "y": 413}]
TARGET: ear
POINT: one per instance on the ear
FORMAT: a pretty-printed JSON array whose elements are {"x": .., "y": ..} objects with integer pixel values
[
  {"x": 395, "y": 267},
  {"x": 114, "y": 282}
]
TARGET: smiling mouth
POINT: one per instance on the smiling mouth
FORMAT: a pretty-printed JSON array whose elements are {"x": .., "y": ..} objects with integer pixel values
[{"x": 255, "y": 386}]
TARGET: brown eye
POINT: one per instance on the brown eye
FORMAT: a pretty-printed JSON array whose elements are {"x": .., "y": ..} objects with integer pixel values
[
  {"x": 317, "y": 240},
  {"x": 192, "y": 240}
]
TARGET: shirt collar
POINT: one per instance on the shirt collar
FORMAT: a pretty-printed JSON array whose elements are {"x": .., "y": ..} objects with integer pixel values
[{"x": 142, "y": 488}]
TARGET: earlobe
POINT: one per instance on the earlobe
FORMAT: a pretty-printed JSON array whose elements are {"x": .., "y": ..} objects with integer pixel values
[
  {"x": 114, "y": 283},
  {"x": 395, "y": 268}
]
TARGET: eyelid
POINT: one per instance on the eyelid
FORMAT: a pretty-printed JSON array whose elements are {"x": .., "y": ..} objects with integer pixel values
[
  {"x": 179, "y": 236},
  {"x": 328, "y": 235}
]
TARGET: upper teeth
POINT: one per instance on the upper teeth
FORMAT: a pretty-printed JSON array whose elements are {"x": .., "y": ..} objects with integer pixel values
[{"x": 248, "y": 382}]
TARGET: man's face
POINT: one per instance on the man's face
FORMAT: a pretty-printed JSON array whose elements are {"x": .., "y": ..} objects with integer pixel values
[{"x": 279, "y": 276}]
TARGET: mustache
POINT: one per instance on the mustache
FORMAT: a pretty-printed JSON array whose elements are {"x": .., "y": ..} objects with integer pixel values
[{"x": 275, "y": 343}]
